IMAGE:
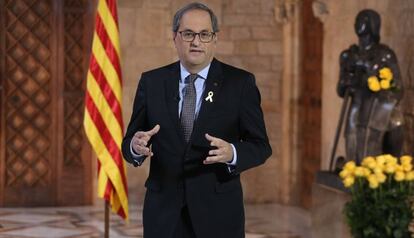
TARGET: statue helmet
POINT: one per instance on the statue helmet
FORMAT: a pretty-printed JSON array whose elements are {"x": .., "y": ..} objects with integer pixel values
[{"x": 368, "y": 21}]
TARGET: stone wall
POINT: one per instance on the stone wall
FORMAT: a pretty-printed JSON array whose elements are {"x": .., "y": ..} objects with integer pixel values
[
  {"x": 249, "y": 38},
  {"x": 397, "y": 32}
]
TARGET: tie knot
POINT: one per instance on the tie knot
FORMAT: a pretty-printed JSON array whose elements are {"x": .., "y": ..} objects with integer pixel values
[{"x": 190, "y": 78}]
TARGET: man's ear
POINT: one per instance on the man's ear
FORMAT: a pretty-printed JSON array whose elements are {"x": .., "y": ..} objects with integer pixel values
[
  {"x": 174, "y": 35},
  {"x": 216, "y": 38}
]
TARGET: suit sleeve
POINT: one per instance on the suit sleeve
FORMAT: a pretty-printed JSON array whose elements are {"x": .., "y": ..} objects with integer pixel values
[
  {"x": 253, "y": 147},
  {"x": 138, "y": 121}
]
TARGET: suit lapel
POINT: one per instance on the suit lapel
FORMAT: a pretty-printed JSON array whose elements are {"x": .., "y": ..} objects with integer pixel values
[
  {"x": 212, "y": 88},
  {"x": 172, "y": 96}
]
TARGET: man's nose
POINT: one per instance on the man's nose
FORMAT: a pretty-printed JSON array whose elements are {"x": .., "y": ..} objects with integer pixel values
[{"x": 196, "y": 41}]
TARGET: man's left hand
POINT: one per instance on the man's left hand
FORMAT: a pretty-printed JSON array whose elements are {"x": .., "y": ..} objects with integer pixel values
[{"x": 222, "y": 154}]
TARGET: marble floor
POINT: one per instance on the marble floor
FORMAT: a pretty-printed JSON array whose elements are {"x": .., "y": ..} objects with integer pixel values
[{"x": 262, "y": 221}]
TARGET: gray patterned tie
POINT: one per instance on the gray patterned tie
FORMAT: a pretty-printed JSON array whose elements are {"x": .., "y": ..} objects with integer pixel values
[{"x": 189, "y": 106}]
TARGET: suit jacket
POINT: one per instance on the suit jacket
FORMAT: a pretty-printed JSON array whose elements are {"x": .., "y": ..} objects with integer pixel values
[{"x": 177, "y": 174}]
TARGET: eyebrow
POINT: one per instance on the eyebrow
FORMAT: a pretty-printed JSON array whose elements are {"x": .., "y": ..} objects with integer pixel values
[{"x": 187, "y": 29}]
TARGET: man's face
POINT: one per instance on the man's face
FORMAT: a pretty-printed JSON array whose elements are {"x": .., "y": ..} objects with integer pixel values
[{"x": 195, "y": 55}]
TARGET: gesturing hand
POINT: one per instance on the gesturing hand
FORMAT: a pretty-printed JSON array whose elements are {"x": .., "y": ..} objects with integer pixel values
[
  {"x": 140, "y": 141},
  {"x": 223, "y": 153}
]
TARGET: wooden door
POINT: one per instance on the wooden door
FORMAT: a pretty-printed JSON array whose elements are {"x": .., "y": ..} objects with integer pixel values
[{"x": 45, "y": 158}]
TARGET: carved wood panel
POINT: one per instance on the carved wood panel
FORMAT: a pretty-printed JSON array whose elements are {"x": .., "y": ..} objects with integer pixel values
[
  {"x": 77, "y": 161},
  {"x": 27, "y": 100},
  {"x": 43, "y": 55}
]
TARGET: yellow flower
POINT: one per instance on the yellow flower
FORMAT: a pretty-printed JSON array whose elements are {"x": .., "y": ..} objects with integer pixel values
[
  {"x": 373, "y": 84},
  {"x": 386, "y": 73},
  {"x": 390, "y": 159},
  {"x": 373, "y": 181},
  {"x": 385, "y": 84},
  {"x": 409, "y": 176},
  {"x": 369, "y": 162},
  {"x": 367, "y": 172},
  {"x": 372, "y": 177},
  {"x": 373, "y": 184},
  {"x": 359, "y": 171},
  {"x": 350, "y": 166},
  {"x": 372, "y": 164},
  {"x": 380, "y": 160},
  {"x": 349, "y": 181},
  {"x": 390, "y": 168},
  {"x": 344, "y": 173},
  {"x": 399, "y": 176},
  {"x": 381, "y": 177},
  {"x": 378, "y": 169},
  {"x": 407, "y": 167},
  {"x": 406, "y": 159}
]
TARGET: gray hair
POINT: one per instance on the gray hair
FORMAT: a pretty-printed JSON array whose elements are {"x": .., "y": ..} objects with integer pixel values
[{"x": 192, "y": 6}]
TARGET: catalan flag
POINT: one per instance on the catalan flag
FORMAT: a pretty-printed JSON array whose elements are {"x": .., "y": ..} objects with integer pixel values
[{"x": 103, "y": 113}]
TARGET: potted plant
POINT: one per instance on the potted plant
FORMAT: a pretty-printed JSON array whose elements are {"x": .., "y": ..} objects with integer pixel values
[{"x": 381, "y": 189}]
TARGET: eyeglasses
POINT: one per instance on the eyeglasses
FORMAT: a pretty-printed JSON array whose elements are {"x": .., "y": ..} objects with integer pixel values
[{"x": 204, "y": 36}]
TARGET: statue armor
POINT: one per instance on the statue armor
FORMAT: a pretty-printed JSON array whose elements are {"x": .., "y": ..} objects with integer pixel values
[{"x": 374, "y": 120}]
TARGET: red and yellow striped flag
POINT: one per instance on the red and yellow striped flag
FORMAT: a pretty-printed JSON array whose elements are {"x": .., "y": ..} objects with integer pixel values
[{"x": 103, "y": 115}]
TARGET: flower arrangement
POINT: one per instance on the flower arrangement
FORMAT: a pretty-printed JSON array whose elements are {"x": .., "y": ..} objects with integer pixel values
[
  {"x": 381, "y": 188},
  {"x": 383, "y": 83}
]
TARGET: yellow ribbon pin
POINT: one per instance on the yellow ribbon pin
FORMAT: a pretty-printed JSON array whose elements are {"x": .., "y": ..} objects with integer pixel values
[{"x": 210, "y": 96}]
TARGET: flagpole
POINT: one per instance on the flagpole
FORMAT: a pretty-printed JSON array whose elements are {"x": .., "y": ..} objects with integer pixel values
[{"x": 106, "y": 219}]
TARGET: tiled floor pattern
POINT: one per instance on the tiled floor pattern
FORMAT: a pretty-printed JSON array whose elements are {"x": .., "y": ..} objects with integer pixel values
[{"x": 262, "y": 221}]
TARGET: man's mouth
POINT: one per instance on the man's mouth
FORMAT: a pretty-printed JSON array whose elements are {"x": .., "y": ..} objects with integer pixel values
[{"x": 196, "y": 51}]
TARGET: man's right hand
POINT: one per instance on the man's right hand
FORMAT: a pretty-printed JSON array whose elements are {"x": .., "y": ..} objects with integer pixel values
[{"x": 140, "y": 141}]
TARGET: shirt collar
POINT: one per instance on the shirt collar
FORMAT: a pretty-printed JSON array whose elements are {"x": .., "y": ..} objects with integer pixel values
[{"x": 202, "y": 74}]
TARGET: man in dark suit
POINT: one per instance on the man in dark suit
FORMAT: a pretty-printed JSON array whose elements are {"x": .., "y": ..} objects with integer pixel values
[{"x": 205, "y": 126}]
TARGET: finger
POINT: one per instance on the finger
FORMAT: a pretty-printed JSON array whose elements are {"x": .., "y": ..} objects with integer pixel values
[
  {"x": 154, "y": 130},
  {"x": 208, "y": 162},
  {"x": 141, "y": 142},
  {"x": 214, "y": 141},
  {"x": 142, "y": 135},
  {"x": 214, "y": 152},
  {"x": 209, "y": 137},
  {"x": 147, "y": 151},
  {"x": 142, "y": 150},
  {"x": 213, "y": 159}
]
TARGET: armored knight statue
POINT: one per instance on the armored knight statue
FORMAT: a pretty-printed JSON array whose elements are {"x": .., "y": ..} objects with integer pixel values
[{"x": 370, "y": 76}]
